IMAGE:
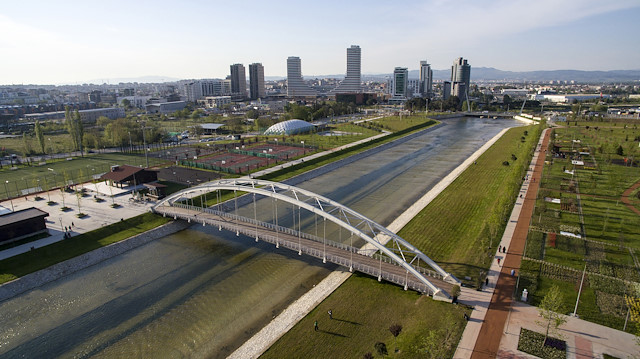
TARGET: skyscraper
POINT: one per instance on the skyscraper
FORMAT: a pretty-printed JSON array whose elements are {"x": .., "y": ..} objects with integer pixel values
[
  {"x": 460, "y": 78},
  {"x": 295, "y": 84},
  {"x": 400, "y": 79},
  {"x": 238, "y": 81},
  {"x": 426, "y": 79},
  {"x": 256, "y": 81},
  {"x": 352, "y": 82}
]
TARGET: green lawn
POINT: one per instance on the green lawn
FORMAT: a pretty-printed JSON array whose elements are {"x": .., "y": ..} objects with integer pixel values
[
  {"x": 55, "y": 174},
  {"x": 458, "y": 226},
  {"x": 363, "y": 310},
  {"x": 399, "y": 123},
  {"x": 20, "y": 265}
]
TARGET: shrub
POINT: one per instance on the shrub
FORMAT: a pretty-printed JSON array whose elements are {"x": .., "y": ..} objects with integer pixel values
[{"x": 505, "y": 163}]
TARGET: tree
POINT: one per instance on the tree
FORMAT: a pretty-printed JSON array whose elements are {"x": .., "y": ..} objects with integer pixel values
[
  {"x": 620, "y": 150},
  {"x": 395, "y": 330},
  {"x": 381, "y": 348},
  {"x": 549, "y": 310},
  {"x": 74, "y": 125},
  {"x": 40, "y": 136},
  {"x": 126, "y": 103}
]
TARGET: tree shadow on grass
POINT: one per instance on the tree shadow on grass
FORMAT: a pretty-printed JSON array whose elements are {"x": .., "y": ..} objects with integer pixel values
[
  {"x": 346, "y": 321},
  {"x": 332, "y": 333}
]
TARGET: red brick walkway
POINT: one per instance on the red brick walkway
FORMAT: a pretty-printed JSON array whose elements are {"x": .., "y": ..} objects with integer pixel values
[{"x": 488, "y": 340}]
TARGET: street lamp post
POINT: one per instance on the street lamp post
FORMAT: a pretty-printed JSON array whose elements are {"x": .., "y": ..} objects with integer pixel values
[
  {"x": 8, "y": 195},
  {"x": 144, "y": 140}
]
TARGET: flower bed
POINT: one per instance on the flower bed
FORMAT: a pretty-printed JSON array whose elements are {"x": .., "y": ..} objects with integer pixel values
[{"x": 530, "y": 342}]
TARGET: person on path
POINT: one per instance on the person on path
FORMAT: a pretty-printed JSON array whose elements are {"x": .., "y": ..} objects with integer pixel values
[
  {"x": 499, "y": 248},
  {"x": 486, "y": 281},
  {"x": 498, "y": 261},
  {"x": 330, "y": 314},
  {"x": 315, "y": 325},
  {"x": 504, "y": 249}
]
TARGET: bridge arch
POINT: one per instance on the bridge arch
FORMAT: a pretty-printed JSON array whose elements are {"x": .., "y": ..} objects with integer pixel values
[{"x": 375, "y": 235}]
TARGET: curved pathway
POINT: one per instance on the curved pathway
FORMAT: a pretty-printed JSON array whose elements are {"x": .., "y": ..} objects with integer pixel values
[{"x": 625, "y": 198}]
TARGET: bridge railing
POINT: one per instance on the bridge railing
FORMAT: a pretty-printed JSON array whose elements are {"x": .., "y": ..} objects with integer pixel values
[{"x": 293, "y": 232}]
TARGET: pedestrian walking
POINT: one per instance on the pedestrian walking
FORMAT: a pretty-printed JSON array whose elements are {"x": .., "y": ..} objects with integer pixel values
[
  {"x": 498, "y": 261},
  {"x": 486, "y": 281},
  {"x": 513, "y": 272},
  {"x": 504, "y": 249},
  {"x": 330, "y": 314},
  {"x": 499, "y": 248},
  {"x": 315, "y": 325},
  {"x": 72, "y": 225}
]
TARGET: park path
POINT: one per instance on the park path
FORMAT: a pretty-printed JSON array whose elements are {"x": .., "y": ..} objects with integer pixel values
[
  {"x": 625, "y": 197},
  {"x": 488, "y": 340}
]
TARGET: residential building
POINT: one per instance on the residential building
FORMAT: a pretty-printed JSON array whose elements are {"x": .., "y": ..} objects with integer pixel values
[
  {"x": 216, "y": 101},
  {"x": 399, "y": 90},
  {"x": 256, "y": 81},
  {"x": 87, "y": 116},
  {"x": 296, "y": 87},
  {"x": 238, "y": 81},
  {"x": 426, "y": 79},
  {"x": 446, "y": 90},
  {"x": 352, "y": 81},
  {"x": 460, "y": 78}
]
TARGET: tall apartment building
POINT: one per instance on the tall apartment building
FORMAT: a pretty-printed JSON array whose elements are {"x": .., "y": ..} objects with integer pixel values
[
  {"x": 460, "y": 78},
  {"x": 256, "y": 81},
  {"x": 446, "y": 90},
  {"x": 238, "y": 80},
  {"x": 295, "y": 84},
  {"x": 400, "y": 83},
  {"x": 426, "y": 79},
  {"x": 352, "y": 81}
]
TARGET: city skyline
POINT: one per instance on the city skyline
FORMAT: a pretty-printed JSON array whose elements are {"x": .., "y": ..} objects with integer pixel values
[{"x": 70, "y": 42}]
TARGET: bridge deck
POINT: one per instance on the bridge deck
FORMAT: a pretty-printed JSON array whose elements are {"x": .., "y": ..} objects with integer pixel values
[{"x": 348, "y": 258}]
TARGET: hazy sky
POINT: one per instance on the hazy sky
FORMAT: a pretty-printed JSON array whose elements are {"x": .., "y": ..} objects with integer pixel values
[{"x": 63, "y": 41}]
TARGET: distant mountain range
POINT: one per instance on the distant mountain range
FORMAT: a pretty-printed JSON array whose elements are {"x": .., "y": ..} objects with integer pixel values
[
  {"x": 477, "y": 74},
  {"x": 492, "y": 74}
]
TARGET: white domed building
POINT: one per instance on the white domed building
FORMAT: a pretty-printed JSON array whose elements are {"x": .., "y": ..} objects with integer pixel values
[{"x": 290, "y": 127}]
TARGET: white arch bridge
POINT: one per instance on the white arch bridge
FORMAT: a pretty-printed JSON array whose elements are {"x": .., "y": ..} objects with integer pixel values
[{"x": 398, "y": 263}]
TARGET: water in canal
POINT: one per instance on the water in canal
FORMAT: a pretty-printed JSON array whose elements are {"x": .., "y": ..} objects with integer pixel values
[{"x": 202, "y": 293}]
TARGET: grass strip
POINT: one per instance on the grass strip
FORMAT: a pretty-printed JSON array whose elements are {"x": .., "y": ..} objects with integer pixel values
[{"x": 363, "y": 310}]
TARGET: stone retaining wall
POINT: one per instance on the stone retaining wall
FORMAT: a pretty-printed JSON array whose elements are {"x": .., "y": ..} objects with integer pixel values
[{"x": 62, "y": 269}]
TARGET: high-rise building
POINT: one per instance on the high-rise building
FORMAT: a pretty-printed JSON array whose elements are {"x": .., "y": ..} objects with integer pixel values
[
  {"x": 256, "y": 81},
  {"x": 426, "y": 79},
  {"x": 351, "y": 82},
  {"x": 238, "y": 80},
  {"x": 446, "y": 90},
  {"x": 460, "y": 77},
  {"x": 400, "y": 81},
  {"x": 295, "y": 84}
]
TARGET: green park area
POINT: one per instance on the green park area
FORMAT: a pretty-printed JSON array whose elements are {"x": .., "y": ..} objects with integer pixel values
[
  {"x": 60, "y": 172},
  {"x": 364, "y": 311},
  {"x": 584, "y": 222},
  {"x": 457, "y": 230}
]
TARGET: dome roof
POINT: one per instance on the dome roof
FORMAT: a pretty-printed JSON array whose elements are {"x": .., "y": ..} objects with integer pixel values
[{"x": 290, "y": 127}]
